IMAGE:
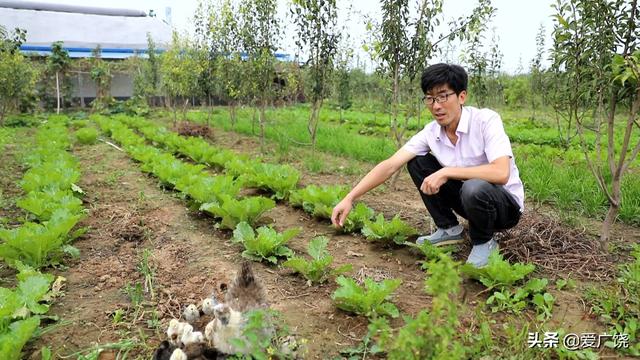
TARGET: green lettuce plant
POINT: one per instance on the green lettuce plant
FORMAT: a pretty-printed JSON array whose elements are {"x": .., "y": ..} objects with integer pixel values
[
  {"x": 265, "y": 243},
  {"x": 318, "y": 269}
]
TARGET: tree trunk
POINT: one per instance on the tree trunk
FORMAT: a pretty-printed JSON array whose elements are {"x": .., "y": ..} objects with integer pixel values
[
  {"x": 57, "y": 93},
  {"x": 210, "y": 110},
  {"x": 262, "y": 121},
  {"x": 184, "y": 109},
  {"x": 175, "y": 112},
  {"x": 609, "y": 219},
  {"x": 313, "y": 123},
  {"x": 232, "y": 114},
  {"x": 254, "y": 119}
]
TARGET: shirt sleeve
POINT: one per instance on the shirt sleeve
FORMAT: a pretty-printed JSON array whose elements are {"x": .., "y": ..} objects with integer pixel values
[
  {"x": 418, "y": 144},
  {"x": 496, "y": 141}
]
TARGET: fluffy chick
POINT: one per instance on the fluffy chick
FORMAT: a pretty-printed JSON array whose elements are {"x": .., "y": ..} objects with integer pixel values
[
  {"x": 227, "y": 325},
  {"x": 208, "y": 305},
  {"x": 191, "y": 314},
  {"x": 174, "y": 331},
  {"x": 178, "y": 354},
  {"x": 246, "y": 292},
  {"x": 163, "y": 351}
]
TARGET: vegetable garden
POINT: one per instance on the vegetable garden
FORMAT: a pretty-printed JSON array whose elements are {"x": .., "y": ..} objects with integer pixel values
[{"x": 114, "y": 221}]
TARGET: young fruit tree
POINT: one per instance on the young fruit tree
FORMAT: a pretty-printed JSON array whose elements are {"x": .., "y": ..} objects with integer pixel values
[
  {"x": 58, "y": 62},
  {"x": 316, "y": 22},
  {"x": 17, "y": 76},
  {"x": 596, "y": 50},
  {"x": 260, "y": 31}
]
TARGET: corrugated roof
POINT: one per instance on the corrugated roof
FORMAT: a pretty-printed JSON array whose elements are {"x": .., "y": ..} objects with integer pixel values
[{"x": 119, "y": 36}]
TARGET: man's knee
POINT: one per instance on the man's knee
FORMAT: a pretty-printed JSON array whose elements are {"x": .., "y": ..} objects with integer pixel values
[{"x": 474, "y": 190}]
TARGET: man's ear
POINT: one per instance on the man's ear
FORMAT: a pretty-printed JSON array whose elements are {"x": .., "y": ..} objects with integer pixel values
[{"x": 462, "y": 97}]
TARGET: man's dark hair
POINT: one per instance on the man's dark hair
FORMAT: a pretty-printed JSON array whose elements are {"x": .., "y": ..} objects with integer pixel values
[{"x": 444, "y": 74}]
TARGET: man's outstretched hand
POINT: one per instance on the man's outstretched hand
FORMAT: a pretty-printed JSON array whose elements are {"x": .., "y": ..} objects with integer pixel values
[{"x": 340, "y": 212}]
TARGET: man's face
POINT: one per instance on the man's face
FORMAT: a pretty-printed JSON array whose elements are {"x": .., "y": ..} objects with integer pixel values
[{"x": 447, "y": 112}]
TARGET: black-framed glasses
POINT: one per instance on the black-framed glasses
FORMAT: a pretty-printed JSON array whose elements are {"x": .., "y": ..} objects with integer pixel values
[{"x": 430, "y": 100}]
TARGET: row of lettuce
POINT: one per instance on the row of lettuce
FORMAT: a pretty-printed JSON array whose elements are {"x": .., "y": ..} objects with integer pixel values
[{"x": 53, "y": 210}]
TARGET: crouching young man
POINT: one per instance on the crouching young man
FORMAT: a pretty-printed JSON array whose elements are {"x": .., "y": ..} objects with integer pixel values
[{"x": 461, "y": 162}]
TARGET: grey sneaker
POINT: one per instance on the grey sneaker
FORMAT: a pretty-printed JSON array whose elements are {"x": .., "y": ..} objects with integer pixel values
[
  {"x": 452, "y": 235},
  {"x": 479, "y": 256}
]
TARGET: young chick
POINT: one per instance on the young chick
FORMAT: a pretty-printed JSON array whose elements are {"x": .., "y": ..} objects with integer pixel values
[
  {"x": 227, "y": 325},
  {"x": 191, "y": 314},
  {"x": 178, "y": 354},
  {"x": 208, "y": 304},
  {"x": 246, "y": 292},
  {"x": 209, "y": 331},
  {"x": 174, "y": 331},
  {"x": 164, "y": 351}
]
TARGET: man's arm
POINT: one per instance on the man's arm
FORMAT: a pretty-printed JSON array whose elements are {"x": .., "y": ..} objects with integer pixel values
[
  {"x": 379, "y": 174},
  {"x": 496, "y": 172}
]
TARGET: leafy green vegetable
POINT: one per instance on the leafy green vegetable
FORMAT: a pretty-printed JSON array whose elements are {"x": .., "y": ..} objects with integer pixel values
[
  {"x": 233, "y": 211},
  {"x": 58, "y": 174},
  {"x": 37, "y": 244},
  {"x": 318, "y": 200},
  {"x": 16, "y": 336},
  {"x": 387, "y": 232},
  {"x": 279, "y": 179},
  {"x": 87, "y": 136},
  {"x": 318, "y": 269},
  {"x": 207, "y": 189},
  {"x": 356, "y": 219},
  {"x": 370, "y": 300},
  {"x": 498, "y": 272},
  {"x": 266, "y": 244},
  {"x": 43, "y": 203},
  {"x": 431, "y": 252}
]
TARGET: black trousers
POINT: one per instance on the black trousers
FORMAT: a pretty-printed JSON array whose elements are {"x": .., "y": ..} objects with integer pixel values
[{"x": 487, "y": 207}]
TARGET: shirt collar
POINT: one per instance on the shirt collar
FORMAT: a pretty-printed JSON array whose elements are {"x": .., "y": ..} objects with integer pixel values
[{"x": 463, "y": 125}]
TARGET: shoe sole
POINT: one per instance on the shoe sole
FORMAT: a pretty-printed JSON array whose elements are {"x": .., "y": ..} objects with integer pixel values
[{"x": 448, "y": 242}]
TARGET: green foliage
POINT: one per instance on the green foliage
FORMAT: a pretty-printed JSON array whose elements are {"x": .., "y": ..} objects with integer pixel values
[
  {"x": 17, "y": 306},
  {"x": 101, "y": 74},
  {"x": 498, "y": 272},
  {"x": 318, "y": 269},
  {"x": 357, "y": 218},
  {"x": 38, "y": 245},
  {"x": 433, "y": 333},
  {"x": 279, "y": 179},
  {"x": 619, "y": 306},
  {"x": 16, "y": 336},
  {"x": 17, "y": 81},
  {"x": 517, "y": 299},
  {"x": 431, "y": 252},
  {"x": 318, "y": 200},
  {"x": 369, "y": 300},
  {"x": 87, "y": 136},
  {"x": 179, "y": 71},
  {"x": 233, "y": 212},
  {"x": 388, "y": 232},
  {"x": 55, "y": 174},
  {"x": 43, "y": 204},
  {"x": 207, "y": 189},
  {"x": 265, "y": 243}
]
